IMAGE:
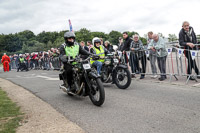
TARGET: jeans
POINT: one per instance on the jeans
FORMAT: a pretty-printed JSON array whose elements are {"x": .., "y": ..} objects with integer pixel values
[
  {"x": 162, "y": 65},
  {"x": 46, "y": 65},
  {"x": 153, "y": 59},
  {"x": 98, "y": 64},
  {"x": 191, "y": 64}
]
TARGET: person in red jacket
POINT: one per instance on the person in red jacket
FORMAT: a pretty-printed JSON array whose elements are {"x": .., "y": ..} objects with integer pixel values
[{"x": 5, "y": 60}]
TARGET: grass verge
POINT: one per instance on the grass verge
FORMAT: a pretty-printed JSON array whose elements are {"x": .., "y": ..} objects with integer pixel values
[{"x": 10, "y": 115}]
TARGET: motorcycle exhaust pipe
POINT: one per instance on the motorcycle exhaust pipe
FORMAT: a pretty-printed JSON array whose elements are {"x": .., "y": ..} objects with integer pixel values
[{"x": 63, "y": 88}]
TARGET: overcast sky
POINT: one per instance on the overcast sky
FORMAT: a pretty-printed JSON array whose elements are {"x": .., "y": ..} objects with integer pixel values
[{"x": 99, "y": 15}]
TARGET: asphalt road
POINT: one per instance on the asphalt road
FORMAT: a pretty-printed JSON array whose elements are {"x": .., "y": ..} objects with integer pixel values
[{"x": 145, "y": 107}]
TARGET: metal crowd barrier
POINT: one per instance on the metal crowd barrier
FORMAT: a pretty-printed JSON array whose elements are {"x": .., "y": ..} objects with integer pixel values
[
  {"x": 176, "y": 63},
  {"x": 56, "y": 63}
]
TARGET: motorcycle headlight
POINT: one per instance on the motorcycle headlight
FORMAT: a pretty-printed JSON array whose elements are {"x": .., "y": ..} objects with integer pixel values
[
  {"x": 116, "y": 60},
  {"x": 107, "y": 62}
]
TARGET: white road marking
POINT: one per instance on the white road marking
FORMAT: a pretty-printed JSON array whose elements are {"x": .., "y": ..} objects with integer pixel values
[
  {"x": 53, "y": 79},
  {"x": 195, "y": 85},
  {"x": 35, "y": 76},
  {"x": 47, "y": 78}
]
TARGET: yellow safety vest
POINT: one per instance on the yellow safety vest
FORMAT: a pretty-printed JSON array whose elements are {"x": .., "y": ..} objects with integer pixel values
[{"x": 100, "y": 52}]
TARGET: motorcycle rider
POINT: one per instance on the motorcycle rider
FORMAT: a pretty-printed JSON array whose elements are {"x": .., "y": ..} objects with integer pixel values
[
  {"x": 99, "y": 50},
  {"x": 72, "y": 49},
  {"x": 22, "y": 64}
]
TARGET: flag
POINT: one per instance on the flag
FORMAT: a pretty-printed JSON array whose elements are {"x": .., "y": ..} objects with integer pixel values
[
  {"x": 193, "y": 54},
  {"x": 147, "y": 53},
  {"x": 70, "y": 26},
  {"x": 119, "y": 53},
  {"x": 169, "y": 50},
  {"x": 180, "y": 52},
  {"x": 128, "y": 54}
]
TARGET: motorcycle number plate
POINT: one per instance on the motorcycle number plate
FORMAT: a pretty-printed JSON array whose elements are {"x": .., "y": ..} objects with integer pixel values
[
  {"x": 86, "y": 66},
  {"x": 116, "y": 60}
]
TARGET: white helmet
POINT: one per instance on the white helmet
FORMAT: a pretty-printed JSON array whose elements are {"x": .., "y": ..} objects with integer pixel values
[
  {"x": 20, "y": 54},
  {"x": 95, "y": 40},
  {"x": 115, "y": 47}
]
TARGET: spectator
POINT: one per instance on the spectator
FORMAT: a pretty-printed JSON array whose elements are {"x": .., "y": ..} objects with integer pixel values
[
  {"x": 32, "y": 63},
  {"x": 89, "y": 45},
  {"x": 126, "y": 47},
  {"x": 50, "y": 58},
  {"x": 152, "y": 56},
  {"x": 136, "y": 55},
  {"x": 35, "y": 58},
  {"x": 187, "y": 38},
  {"x": 120, "y": 44},
  {"x": 46, "y": 61},
  {"x": 102, "y": 42},
  {"x": 12, "y": 62},
  {"x": 82, "y": 44},
  {"x": 158, "y": 45},
  {"x": 27, "y": 59},
  {"x": 108, "y": 46}
]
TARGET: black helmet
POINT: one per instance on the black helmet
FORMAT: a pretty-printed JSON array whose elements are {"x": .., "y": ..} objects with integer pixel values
[{"x": 67, "y": 35}]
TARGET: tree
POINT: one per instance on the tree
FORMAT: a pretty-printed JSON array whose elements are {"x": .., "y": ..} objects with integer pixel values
[
  {"x": 83, "y": 35},
  {"x": 58, "y": 42},
  {"x": 130, "y": 34},
  {"x": 44, "y": 37},
  {"x": 172, "y": 37},
  {"x": 114, "y": 36},
  {"x": 25, "y": 48},
  {"x": 144, "y": 40},
  {"x": 100, "y": 35},
  {"x": 161, "y": 35}
]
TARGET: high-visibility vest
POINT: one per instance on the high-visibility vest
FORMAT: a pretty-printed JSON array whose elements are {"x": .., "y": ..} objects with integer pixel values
[
  {"x": 100, "y": 52},
  {"x": 72, "y": 51},
  {"x": 21, "y": 60}
]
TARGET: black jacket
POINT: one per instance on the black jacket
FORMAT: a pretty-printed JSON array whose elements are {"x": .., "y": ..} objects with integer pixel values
[
  {"x": 127, "y": 44},
  {"x": 85, "y": 56},
  {"x": 120, "y": 46},
  {"x": 184, "y": 38},
  {"x": 62, "y": 51},
  {"x": 109, "y": 48}
]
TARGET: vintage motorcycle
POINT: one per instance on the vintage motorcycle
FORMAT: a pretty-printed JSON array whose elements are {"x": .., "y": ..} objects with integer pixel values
[
  {"x": 85, "y": 81},
  {"x": 22, "y": 66},
  {"x": 114, "y": 71}
]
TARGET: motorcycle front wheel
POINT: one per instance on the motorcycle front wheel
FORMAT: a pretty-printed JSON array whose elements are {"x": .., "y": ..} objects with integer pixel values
[
  {"x": 122, "y": 78},
  {"x": 97, "y": 93}
]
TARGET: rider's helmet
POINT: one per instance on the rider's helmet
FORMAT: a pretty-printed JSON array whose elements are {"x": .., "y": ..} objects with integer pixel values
[
  {"x": 69, "y": 35},
  {"x": 96, "y": 40},
  {"x": 20, "y": 55}
]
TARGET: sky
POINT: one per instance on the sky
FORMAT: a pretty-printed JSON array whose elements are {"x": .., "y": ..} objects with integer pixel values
[{"x": 141, "y": 16}]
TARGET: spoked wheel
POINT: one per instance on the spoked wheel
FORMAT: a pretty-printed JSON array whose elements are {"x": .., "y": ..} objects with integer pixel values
[
  {"x": 105, "y": 75},
  {"x": 122, "y": 78},
  {"x": 97, "y": 93}
]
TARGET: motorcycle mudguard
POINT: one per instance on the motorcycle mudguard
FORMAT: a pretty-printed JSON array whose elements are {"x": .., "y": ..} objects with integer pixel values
[{"x": 122, "y": 66}]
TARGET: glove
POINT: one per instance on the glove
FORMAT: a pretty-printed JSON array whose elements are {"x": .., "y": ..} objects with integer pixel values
[{"x": 64, "y": 58}]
